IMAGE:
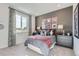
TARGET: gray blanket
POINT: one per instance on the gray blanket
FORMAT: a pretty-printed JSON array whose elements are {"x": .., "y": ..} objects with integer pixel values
[{"x": 38, "y": 43}]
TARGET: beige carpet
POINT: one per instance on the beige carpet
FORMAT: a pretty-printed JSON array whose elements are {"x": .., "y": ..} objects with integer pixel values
[{"x": 21, "y": 50}]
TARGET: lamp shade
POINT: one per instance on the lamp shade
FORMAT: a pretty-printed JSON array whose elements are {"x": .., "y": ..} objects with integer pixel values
[
  {"x": 38, "y": 28},
  {"x": 60, "y": 26}
]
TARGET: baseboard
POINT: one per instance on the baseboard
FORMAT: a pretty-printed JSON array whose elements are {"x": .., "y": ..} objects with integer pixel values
[{"x": 5, "y": 46}]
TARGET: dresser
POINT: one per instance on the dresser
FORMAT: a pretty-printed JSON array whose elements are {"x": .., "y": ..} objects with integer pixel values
[{"x": 64, "y": 40}]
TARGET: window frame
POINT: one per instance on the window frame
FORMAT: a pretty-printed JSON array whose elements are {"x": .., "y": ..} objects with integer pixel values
[{"x": 21, "y": 23}]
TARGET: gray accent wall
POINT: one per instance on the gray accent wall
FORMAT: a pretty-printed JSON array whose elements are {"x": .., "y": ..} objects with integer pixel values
[{"x": 64, "y": 17}]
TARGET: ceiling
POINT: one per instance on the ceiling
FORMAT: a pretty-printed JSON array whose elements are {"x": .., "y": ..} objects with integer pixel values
[{"x": 39, "y": 8}]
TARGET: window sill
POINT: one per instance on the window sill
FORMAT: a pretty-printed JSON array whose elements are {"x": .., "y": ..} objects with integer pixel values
[{"x": 21, "y": 31}]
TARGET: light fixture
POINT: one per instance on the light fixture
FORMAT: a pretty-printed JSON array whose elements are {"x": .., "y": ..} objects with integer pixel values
[{"x": 38, "y": 28}]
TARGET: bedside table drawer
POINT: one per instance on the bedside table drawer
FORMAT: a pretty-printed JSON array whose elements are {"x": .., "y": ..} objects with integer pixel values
[{"x": 64, "y": 40}]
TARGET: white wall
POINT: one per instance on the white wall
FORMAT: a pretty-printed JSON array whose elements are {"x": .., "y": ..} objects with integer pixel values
[
  {"x": 76, "y": 40},
  {"x": 76, "y": 46},
  {"x": 4, "y": 19},
  {"x": 21, "y": 37}
]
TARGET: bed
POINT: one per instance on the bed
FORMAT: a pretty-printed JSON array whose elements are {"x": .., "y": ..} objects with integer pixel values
[{"x": 40, "y": 44}]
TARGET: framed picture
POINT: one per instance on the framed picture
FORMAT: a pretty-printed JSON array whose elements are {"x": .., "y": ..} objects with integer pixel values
[
  {"x": 43, "y": 23},
  {"x": 49, "y": 23},
  {"x": 54, "y": 22},
  {"x": 76, "y": 21}
]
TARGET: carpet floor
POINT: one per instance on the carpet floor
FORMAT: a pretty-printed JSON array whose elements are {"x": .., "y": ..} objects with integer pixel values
[{"x": 21, "y": 50}]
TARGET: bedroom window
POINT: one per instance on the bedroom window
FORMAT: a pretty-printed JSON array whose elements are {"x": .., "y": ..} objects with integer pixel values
[
  {"x": 21, "y": 22},
  {"x": 24, "y": 23},
  {"x": 18, "y": 21}
]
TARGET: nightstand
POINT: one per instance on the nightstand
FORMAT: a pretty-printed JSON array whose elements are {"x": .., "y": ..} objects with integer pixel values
[{"x": 64, "y": 40}]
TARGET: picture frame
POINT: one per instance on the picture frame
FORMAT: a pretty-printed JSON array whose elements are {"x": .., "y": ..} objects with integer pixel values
[{"x": 76, "y": 21}]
